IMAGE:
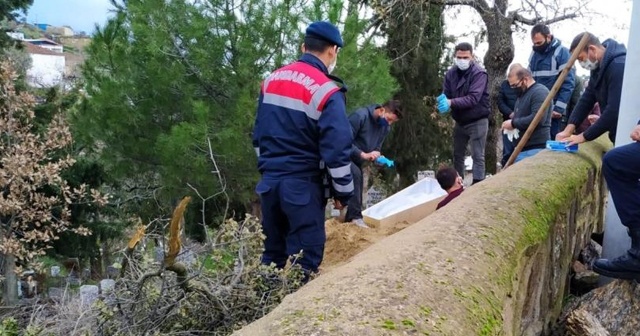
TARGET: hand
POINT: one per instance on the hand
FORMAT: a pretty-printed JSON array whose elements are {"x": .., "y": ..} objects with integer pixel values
[
  {"x": 370, "y": 156},
  {"x": 562, "y": 136},
  {"x": 556, "y": 115},
  {"x": 337, "y": 204},
  {"x": 507, "y": 125},
  {"x": 575, "y": 139},
  {"x": 635, "y": 134},
  {"x": 593, "y": 118}
]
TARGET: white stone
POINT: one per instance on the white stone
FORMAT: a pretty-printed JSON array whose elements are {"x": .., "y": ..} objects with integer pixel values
[
  {"x": 424, "y": 174},
  {"x": 89, "y": 294},
  {"x": 106, "y": 285},
  {"x": 55, "y": 271}
]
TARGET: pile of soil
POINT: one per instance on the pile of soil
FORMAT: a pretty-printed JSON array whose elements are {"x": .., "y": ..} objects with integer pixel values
[{"x": 345, "y": 240}]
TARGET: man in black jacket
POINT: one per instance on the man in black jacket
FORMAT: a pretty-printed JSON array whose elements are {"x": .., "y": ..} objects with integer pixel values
[
  {"x": 606, "y": 63},
  {"x": 531, "y": 95},
  {"x": 621, "y": 169},
  {"x": 370, "y": 126},
  {"x": 507, "y": 97}
]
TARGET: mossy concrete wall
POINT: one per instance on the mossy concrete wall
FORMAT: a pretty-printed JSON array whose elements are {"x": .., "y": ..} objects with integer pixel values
[{"x": 495, "y": 261}]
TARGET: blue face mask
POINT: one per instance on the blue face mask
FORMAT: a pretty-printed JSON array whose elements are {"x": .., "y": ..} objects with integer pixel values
[{"x": 382, "y": 121}]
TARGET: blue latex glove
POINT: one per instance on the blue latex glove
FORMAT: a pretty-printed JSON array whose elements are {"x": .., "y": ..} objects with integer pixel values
[
  {"x": 384, "y": 161},
  {"x": 443, "y": 104}
]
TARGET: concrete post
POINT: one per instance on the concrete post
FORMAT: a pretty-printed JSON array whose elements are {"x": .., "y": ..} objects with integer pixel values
[{"x": 616, "y": 240}]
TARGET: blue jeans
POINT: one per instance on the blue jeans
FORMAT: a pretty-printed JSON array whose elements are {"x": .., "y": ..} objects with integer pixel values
[
  {"x": 528, "y": 153},
  {"x": 621, "y": 170},
  {"x": 292, "y": 220}
]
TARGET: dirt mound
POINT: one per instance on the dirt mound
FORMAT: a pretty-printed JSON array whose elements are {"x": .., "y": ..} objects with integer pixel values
[{"x": 346, "y": 240}]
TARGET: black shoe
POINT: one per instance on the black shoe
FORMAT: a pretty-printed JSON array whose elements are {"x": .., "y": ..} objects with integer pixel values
[
  {"x": 625, "y": 267},
  {"x": 476, "y": 181}
]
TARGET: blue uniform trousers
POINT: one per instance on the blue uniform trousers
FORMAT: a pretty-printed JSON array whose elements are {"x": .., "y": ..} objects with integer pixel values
[
  {"x": 621, "y": 169},
  {"x": 293, "y": 220}
]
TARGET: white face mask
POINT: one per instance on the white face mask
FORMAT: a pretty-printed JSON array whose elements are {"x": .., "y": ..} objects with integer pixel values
[
  {"x": 462, "y": 64},
  {"x": 332, "y": 66},
  {"x": 589, "y": 65}
]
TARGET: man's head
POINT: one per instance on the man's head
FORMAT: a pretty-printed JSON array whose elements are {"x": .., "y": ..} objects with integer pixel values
[
  {"x": 519, "y": 78},
  {"x": 463, "y": 55},
  {"x": 592, "y": 54},
  {"x": 323, "y": 40},
  {"x": 449, "y": 179},
  {"x": 540, "y": 37},
  {"x": 390, "y": 112}
]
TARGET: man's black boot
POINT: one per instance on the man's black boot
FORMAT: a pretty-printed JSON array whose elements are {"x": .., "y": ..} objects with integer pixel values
[
  {"x": 476, "y": 181},
  {"x": 626, "y": 266}
]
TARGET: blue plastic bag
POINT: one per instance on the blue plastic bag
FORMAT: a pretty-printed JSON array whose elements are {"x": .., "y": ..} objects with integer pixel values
[{"x": 559, "y": 146}]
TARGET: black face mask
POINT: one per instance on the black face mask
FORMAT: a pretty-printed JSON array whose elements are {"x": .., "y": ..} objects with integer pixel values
[
  {"x": 541, "y": 48},
  {"x": 519, "y": 89}
]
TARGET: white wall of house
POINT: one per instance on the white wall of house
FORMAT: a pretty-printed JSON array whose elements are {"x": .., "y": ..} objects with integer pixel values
[
  {"x": 46, "y": 70},
  {"x": 56, "y": 48}
]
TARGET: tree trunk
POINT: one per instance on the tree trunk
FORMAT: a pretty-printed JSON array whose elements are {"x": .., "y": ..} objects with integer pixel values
[
  {"x": 10, "y": 289},
  {"x": 496, "y": 61}
]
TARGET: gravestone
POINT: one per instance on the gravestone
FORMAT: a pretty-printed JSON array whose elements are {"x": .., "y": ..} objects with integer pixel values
[
  {"x": 55, "y": 271},
  {"x": 158, "y": 254},
  {"x": 374, "y": 196},
  {"x": 56, "y": 294},
  {"x": 186, "y": 257},
  {"x": 73, "y": 280},
  {"x": 107, "y": 285},
  {"x": 112, "y": 272},
  {"x": 424, "y": 174},
  {"x": 89, "y": 294}
]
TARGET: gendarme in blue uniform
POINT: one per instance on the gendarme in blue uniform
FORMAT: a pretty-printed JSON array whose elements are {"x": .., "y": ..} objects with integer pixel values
[{"x": 301, "y": 131}]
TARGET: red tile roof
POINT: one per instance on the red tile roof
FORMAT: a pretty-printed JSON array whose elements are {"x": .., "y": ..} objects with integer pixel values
[{"x": 34, "y": 49}]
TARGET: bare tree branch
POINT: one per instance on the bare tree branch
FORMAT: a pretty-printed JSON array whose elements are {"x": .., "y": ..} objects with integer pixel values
[{"x": 519, "y": 18}]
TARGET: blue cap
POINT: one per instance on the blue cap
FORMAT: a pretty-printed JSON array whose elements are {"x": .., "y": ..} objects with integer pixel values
[{"x": 325, "y": 31}]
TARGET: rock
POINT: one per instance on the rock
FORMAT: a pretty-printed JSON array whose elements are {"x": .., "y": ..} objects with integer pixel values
[
  {"x": 590, "y": 253},
  {"x": 609, "y": 310},
  {"x": 583, "y": 323},
  {"x": 578, "y": 267},
  {"x": 89, "y": 294},
  {"x": 55, "y": 271},
  {"x": 74, "y": 281},
  {"x": 584, "y": 281},
  {"x": 158, "y": 254}
]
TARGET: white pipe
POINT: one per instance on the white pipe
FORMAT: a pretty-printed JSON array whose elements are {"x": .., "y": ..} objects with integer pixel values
[{"x": 616, "y": 239}]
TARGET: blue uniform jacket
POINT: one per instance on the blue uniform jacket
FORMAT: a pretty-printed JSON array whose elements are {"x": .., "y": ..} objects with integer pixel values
[
  {"x": 292, "y": 142},
  {"x": 546, "y": 67}
]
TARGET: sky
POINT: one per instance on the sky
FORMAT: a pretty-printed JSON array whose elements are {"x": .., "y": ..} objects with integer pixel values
[
  {"x": 607, "y": 19},
  {"x": 81, "y": 15}
]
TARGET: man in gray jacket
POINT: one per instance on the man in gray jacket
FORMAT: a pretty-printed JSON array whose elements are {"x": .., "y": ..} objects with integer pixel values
[
  {"x": 370, "y": 125},
  {"x": 531, "y": 95}
]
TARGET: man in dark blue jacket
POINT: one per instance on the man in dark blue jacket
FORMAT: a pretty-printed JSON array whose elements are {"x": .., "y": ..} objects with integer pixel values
[
  {"x": 507, "y": 97},
  {"x": 301, "y": 130},
  {"x": 621, "y": 169},
  {"x": 370, "y": 126},
  {"x": 466, "y": 90},
  {"x": 546, "y": 62},
  {"x": 606, "y": 63}
]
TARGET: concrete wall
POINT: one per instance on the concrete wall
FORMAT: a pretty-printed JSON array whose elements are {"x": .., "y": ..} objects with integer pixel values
[
  {"x": 495, "y": 261},
  {"x": 46, "y": 70}
]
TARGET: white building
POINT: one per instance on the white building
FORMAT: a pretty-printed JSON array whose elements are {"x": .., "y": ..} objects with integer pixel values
[
  {"x": 47, "y": 67},
  {"x": 16, "y": 35}
]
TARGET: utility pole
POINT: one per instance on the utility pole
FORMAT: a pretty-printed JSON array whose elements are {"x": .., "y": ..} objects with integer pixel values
[{"x": 616, "y": 240}]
